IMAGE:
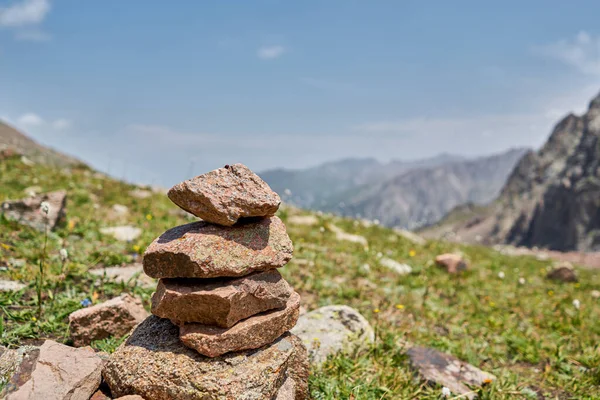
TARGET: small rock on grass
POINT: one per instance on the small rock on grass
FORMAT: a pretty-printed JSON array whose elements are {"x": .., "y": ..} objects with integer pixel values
[
  {"x": 28, "y": 212},
  {"x": 115, "y": 317},
  {"x": 446, "y": 370},
  {"x": 563, "y": 272},
  {"x": 452, "y": 263}
]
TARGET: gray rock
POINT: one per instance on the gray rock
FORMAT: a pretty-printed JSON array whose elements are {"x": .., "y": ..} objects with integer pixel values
[
  {"x": 11, "y": 286},
  {"x": 154, "y": 364},
  {"x": 125, "y": 233},
  {"x": 28, "y": 212},
  {"x": 446, "y": 370},
  {"x": 132, "y": 274},
  {"x": 52, "y": 372},
  {"x": 333, "y": 329}
]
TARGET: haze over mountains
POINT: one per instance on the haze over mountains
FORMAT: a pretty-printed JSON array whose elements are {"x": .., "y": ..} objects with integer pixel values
[
  {"x": 551, "y": 200},
  {"x": 398, "y": 194}
]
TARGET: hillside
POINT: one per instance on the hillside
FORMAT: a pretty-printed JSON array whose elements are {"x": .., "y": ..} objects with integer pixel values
[
  {"x": 528, "y": 334},
  {"x": 552, "y": 198},
  {"x": 315, "y": 187},
  {"x": 11, "y": 138},
  {"x": 422, "y": 196}
]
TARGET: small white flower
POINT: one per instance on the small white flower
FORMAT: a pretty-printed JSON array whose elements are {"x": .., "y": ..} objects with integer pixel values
[
  {"x": 45, "y": 207},
  {"x": 521, "y": 281},
  {"x": 379, "y": 254},
  {"x": 446, "y": 392},
  {"x": 595, "y": 294},
  {"x": 64, "y": 254},
  {"x": 576, "y": 304},
  {"x": 501, "y": 275},
  {"x": 322, "y": 229},
  {"x": 366, "y": 267},
  {"x": 376, "y": 222}
]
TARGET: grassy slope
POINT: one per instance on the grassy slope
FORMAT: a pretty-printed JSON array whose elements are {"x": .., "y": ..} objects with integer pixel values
[{"x": 529, "y": 335}]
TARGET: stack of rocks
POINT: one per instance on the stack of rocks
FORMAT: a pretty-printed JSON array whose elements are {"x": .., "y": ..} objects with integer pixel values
[{"x": 219, "y": 298}]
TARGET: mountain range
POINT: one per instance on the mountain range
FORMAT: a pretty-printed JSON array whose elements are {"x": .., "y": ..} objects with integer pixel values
[
  {"x": 405, "y": 194},
  {"x": 551, "y": 200}
]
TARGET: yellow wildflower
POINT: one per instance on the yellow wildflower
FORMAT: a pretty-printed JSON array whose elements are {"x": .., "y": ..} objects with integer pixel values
[
  {"x": 376, "y": 310},
  {"x": 5, "y": 246},
  {"x": 136, "y": 248},
  {"x": 412, "y": 253},
  {"x": 400, "y": 306},
  {"x": 33, "y": 319},
  {"x": 550, "y": 292},
  {"x": 149, "y": 217}
]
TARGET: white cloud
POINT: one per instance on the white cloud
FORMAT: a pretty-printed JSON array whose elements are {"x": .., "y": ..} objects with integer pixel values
[
  {"x": 30, "y": 120},
  {"x": 61, "y": 124},
  {"x": 33, "y": 36},
  {"x": 25, "y": 12},
  {"x": 270, "y": 52},
  {"x": 581, "y": 52}
]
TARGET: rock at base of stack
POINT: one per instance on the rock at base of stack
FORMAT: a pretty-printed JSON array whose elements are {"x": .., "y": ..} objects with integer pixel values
[{"x": 154, "y": 364}]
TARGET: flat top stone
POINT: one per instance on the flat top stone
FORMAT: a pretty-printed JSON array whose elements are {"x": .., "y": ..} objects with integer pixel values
[
  {"x": 226, "y": 194},
  {"x": 154, "y": 364},
  {"x": 251, "y": 333},
  {"x": 447, "y": 370},
  {"x": 219, "y": 301},
  {"x": 203, "y": 250}
]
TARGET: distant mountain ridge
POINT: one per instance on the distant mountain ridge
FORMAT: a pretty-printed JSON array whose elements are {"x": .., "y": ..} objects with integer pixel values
[
  {"x": 399, "y": 194},
  {"x": 11, "y": 138},
  {"x": 552, "y": 198}
]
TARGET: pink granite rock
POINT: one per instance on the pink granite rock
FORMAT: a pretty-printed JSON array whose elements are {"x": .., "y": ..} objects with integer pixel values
[
  {"x": 115, "y": 317},
  {"x": 250, "y": 333},
  {"x": 203, "y": 250},
  {"x": 55, "y": 371},
  {"x": 154, "y": 364},
  {"x": 221, "y": 302},
  {"x": 225, "y": 195},
  {"x": 452, "y": 263}
]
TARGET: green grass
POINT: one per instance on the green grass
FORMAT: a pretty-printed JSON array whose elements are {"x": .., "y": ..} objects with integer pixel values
[{"x": 530, "y": 336}]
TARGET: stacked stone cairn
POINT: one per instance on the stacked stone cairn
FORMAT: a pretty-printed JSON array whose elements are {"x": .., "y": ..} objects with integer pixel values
[{"x": 222, "y": 311}]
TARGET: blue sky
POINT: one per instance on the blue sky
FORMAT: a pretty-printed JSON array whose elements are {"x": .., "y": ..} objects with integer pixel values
[{"x": 152, "y": 90}]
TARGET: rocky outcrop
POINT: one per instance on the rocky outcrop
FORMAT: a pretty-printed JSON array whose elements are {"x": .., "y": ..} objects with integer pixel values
[{"x": 552, "y": 198}]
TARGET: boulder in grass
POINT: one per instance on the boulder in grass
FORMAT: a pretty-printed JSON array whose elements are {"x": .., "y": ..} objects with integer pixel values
[
  {"x": 331, "y": 330},
  {"x": 53, "y": 371},
  {"x": 251, "y": 333},
  {"x": 225, "y": 195},
  {"x": 28, "y": 211},
  {"x": 563, "y": 272},
  {"x": 154, "y": 364},
  {"x": 115, "y": 317},
  {"x": 446, "y": 370},
  {"x": 220, "y": 302},
  {"x": 203, "y": 250},
  {"x": 452, "y": 263}
]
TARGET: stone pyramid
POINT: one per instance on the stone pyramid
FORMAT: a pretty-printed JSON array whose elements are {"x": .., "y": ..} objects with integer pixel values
[{"x": 222, "y": 311}]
